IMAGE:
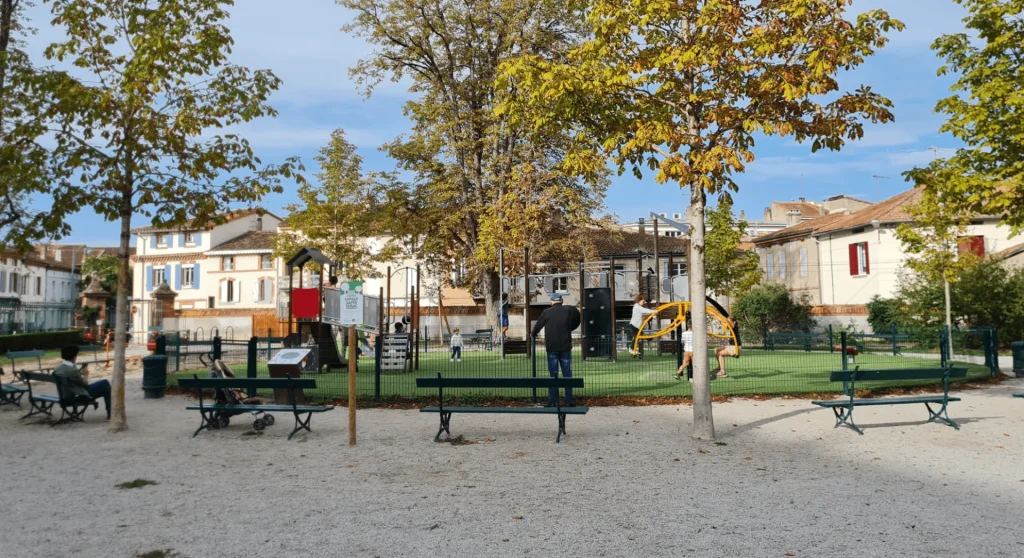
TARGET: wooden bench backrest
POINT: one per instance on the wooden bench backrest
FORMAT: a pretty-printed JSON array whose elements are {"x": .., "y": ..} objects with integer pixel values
[
  {"x": 13, "y": 355},
  {"x": 244, "y": 383},
  {"x": 897, "y": 374},
  {"x": 499, "y": 382},
  {"x": 38, "y": 377}
]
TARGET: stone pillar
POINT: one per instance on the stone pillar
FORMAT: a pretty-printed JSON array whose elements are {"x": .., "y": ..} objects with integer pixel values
[
  {"x": 165, "y": 298},
  {"x": 95, "y": 297}
]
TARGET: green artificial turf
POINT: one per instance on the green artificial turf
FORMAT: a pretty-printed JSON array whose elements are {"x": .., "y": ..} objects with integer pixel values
[{"x": 755, "y": 372}]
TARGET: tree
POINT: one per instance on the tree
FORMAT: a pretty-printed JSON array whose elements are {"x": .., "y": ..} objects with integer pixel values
[
  {"x": 730, "y": 271},
  {"x": 476, "y": 175},
  {"x": 105, "y": 267},
  {"x": 986, "y": 176},
  {"x": 783, "y": 314},
  {"x": 683, "y": 88},
  {"x": 154, "y": 78},
  {"x": 336, "y": 215},
  {"x": 883, "y": 312},
  {"x": 933, "y": 238}
]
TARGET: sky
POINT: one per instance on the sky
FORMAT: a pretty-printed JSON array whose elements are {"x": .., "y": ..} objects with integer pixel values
[{"x": 305, "y": 47}]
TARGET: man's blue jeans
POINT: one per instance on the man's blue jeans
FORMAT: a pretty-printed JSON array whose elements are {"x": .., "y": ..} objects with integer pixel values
[
  {"x": 101, "y": 389},
  {"x": 565, "y": 360}
]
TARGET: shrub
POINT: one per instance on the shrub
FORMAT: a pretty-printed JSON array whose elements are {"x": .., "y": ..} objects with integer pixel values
[
  {"x": 772, "y": 300},
  {"x": 883, "y": 312},
  {"x": 42, "y": 340}
]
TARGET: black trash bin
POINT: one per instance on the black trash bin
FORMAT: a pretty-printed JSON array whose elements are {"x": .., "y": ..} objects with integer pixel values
[
  {"x": 154, "y": 375},
  {"x": 1017, "y": 349}
]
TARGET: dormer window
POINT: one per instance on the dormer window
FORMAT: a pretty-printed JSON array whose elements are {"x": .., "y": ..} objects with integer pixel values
[
  {"x": 190, "y": 239},
  {"x": 227, "y": 263},
  {"x": 162, "y": 240}
]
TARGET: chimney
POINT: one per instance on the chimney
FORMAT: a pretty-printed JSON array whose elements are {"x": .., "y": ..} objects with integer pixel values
[
  {"x": 792, "y": 217},
  {"x": 821, "y": 210},
  {"x": 802, "y": 200},
  {"x": 643, "y": 228},
  {"x": 259, "y": 223},
  {"x": 743, "y": 215}
]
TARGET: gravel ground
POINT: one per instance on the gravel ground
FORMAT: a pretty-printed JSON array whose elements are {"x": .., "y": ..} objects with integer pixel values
[{"x": 628, "y": 481}]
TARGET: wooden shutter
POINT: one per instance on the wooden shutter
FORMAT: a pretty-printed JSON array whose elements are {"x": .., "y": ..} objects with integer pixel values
[
  {"x": 854, "y": 267},
  {"x": 978, "y": 246},
  {"x": 867, "y": 260}
]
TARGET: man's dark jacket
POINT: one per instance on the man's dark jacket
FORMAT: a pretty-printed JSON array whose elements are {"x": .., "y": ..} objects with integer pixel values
[{"x": 558, "y": 322}]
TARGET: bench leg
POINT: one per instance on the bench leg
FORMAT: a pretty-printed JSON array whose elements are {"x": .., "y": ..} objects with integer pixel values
[
  {"x": 942, "y": 415},
  {"x": 71, "y": 413},
  {"x": 208, "y": 421},
  {"x": 446, "y": 419},
  {"x": 561, "y": 427},
  {"x": 11, "y": 398},
  {"x": 844, "y": 416},
  {"x": 39, "y": 408},
  {"x": 301, "y": 424}
]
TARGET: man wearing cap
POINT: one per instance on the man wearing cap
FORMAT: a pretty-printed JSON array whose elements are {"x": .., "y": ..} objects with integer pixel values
[{"x": 558, "y": 322}]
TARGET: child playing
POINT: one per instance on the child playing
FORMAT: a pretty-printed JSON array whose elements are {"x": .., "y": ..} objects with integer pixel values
[
  {"x": 456, "y": 346},
  {"x": 687, "y": 354}
]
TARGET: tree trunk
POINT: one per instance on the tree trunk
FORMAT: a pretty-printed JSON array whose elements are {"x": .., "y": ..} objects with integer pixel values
[
  {"x": 490, "y": 285},
  {"x": 118, "y": 417},
  {"x": 703, "y": 424}
]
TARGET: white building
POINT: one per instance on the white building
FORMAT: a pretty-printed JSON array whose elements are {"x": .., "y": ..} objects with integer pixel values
[{"x": 36, "y": 293}]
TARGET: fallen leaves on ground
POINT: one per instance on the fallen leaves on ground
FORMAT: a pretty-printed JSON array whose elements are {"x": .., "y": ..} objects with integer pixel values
[
  {"x": 517, "y": 517},
  {"x": 702, "y": 451}
]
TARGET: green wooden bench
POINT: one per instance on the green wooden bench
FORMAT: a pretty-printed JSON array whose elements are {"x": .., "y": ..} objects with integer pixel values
[
  {"x": 72, "y": 407},
  {"x": 445, "y": 412},
  {"x": 481, "y": 337},
  {"x": 1019, "y": 395},
  {"x": 94, "y": 351},
  {"x": 11, "y": 394},
  {"x": 843, "y": 407},
  {"x": 216, "y": 416}
]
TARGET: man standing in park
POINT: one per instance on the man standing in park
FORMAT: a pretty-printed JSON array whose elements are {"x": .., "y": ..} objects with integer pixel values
[
  {"x": 78, "y": 381},
  {"x": 558, "y": 322}
]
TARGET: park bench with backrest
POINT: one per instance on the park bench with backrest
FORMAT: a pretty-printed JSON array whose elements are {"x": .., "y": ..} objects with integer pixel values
[
  {"x": 843, "y": 407},
  {"x": 11, "y": 394},
  {"x": 888, "y": 341},
  {"x": 216, "y": 415},
  {"x": 445, "y": 411},
  {"x": 805, "y": 340},
  {"x": 91, "y": 354},
  {"x": 72, "y": 407},
  {"x": 481, "y": 337},
  {"x": 1021, "y": 395}
]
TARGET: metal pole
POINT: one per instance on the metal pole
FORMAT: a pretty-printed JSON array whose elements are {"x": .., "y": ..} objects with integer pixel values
[
  {"x": 291, "y": 297},
  {"x": 387, "y": 305},
  {"x": 419, "y": 296},
  {"x": 611, "y": 283},
  {"x": 378, "y": 346},
  {"x": 657, "y": 275},
  {"x": 583, "y": 322},
  {"x": 415, "y": 333},
  {"x": 949, "y": 321},
  {"x": 526, "y": 291},
  {"x": 842, "y": 340},
  {"x": 671, "y": 293},
  {"x": 501, "y": 298},
  {"x": 351, "y": 385}
]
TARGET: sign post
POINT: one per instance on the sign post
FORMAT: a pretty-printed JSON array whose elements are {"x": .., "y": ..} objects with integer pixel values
[{"x": 352, "y": 385}]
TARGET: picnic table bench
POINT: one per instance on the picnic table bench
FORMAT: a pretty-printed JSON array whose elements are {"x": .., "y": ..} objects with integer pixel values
[
  {"x": 445, "y": 412},
  {"x": 843, "y": 407},
  {"x": 72, "y": 407},
  {"x": 216, "y": 416}
]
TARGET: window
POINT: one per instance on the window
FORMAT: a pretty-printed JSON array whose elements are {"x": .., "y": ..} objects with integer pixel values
[
  {"x": 227, "y": 263},
  {"x": 560, "y": 284},
  {"x": 158, "y": 276},
  {"x": 188, "y": 274},
  {"x": 58, "y": 255},
  {"x": 804, "y": 299},
  {"x": 14, "y": 283},
  {"x": 971, "y": 245},
  {"x": 53, "y": 289},
  {"x": 771, "y": 266},
  {"x": 803, "y": 262},
  {"x": 266, "y": 262},
  {"x": 677, "y": 269},
  {"x": 162, "y": 240},
  {"x": 190, "y": 239},
  {"x": 859, "y": 264},
  {"x": 782, "y": 265},
  {"x": 265, "y": 290},
  {"x": 210, "y": 301},
  {"x": 229, "y": 291}
]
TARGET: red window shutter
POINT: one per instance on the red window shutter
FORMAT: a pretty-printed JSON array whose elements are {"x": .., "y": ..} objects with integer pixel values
[
  {"x": 867, "y": 260},
  {"x": 978, "y": 246},
  {"x": 963, "y": 245},
  {"x": 853, "y": 260}
]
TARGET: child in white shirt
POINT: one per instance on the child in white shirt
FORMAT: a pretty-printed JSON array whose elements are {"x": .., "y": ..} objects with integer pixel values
[
  {"x": 456, "y": 345},
  {"x": 687, "y": 354}
]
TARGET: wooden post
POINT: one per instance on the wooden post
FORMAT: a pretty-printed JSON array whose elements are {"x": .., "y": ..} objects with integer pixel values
[
  {"x": 526, "y": 292},
  {"x": 611, "y": 283},
  {"x": 387, "y": 305},
  {"x": 352, "y": 385},
  {"x": 671, "y": 295}
]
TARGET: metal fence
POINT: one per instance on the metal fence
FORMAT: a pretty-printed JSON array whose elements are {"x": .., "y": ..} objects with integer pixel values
[{"x": 795, "y": 363}]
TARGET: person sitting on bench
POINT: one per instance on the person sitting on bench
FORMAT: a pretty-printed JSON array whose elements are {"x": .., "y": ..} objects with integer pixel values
[{"x": 77, "y": 380}]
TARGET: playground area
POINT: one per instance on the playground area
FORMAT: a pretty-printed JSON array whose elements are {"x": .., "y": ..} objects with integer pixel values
[{"x": 627, "y": 481}]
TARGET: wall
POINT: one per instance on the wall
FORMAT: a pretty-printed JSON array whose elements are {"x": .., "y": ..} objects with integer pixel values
[
  {"x": 886, "y": 258},
  {"x": 799, "y": 285}
]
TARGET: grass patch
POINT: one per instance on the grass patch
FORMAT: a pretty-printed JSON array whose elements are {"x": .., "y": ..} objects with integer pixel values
[
  {"x": 137, "y": 483},
  {"x": 158, "y": 554}
]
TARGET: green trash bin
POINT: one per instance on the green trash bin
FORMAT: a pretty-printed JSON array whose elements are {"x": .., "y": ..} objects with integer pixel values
[
  {"x": 154, "y": 376},
  {"x": 1017, "y": 348}
]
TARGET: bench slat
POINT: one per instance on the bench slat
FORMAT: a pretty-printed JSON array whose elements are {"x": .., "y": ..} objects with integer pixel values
[
  {"x": 845, "y": 402},
  {"x": 7, "y": 388},
  {"x": 38, "y": 377},
  {"x": 513, "y": 410},
  {"x": 25, "y": 354},
  {"x": 540, "y": 383},
  {"x": 265, "y": 408},
  {"x": 896, "y": 374},
  {"x": 242, "y": 383}
]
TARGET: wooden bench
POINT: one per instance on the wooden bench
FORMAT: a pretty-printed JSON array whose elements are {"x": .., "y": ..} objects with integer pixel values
[
  {"x": 93, "y": 351},
  {"x": 445, "y": 412},
  {"x": 804, "y": 340},
  {"x": 1021, "y": 395},
  {"x": 515, "y": 347},
  {"x": 216, "y": 416},
  {"x": 72, "y": 407},
  {"x": 843, "y": 407},
  {"x": 11, "y": 394},
  {"x": 481, "y": 337},
  {"x": 892, "y": 342}
]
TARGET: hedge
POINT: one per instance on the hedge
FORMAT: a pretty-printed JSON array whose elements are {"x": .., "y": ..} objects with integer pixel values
[{"x": 42, "y": 340}]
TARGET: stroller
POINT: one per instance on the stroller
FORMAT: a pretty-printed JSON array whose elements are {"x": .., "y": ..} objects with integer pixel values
[{"x": 232, "y": 396}]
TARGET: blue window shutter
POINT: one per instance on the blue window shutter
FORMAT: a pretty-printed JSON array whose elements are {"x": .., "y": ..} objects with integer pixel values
[
  {"x": 3, "y": 281},
  {"x": 181, "y": 239},
  {"x": 195, "y": 273},
  {"x": 199, "y": 239},
  {"x": 170, "y": 241},
  {"x": 177, "y": 277},
  {"x": 149, "y": 278}
]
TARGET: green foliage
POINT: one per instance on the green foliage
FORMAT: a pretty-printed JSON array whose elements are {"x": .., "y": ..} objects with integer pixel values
[
  {"x": 986, "y": 176},
  {"x": 932, "y": 238},
  {"x": 479, "y": 180},
  {"x": 336, "y": 215},
  {"x": 883, "y": 312},
  {"x": 40, "y": 341},
  {"x": 775, "y": 303},
  {"x": 730, "y": 271},
  {"x": 105, "y": 267}
]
